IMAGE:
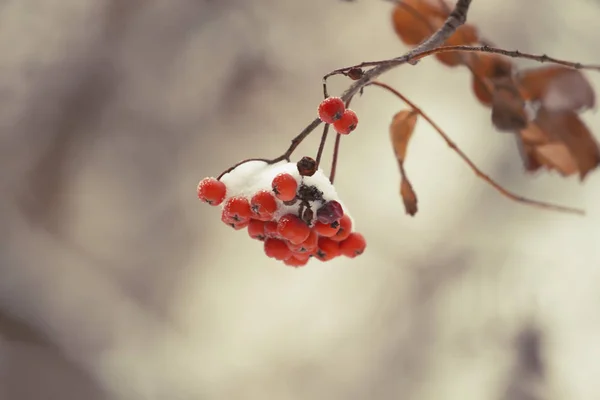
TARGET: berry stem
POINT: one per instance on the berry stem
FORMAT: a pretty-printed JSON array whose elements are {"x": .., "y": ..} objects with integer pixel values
[
  {"x": 471, "y": 164},
  {"x": 228, "y": 170},
  {"x": 325, "y": 93},
  {"x": 297, "y": 140},
  {"x": 322, "y": 144},
  {"x": 336, "y": 150}
]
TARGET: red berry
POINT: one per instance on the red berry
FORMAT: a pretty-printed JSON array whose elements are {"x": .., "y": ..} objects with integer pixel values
[
  {"x": 353, "y": 245},
  {"x": 302, "y": 256},
  {"x": 236, "y": 224},
  {"x": 263, "y": 205},
  {"x": 256, "y": 229},
  {"x": 285, "y": 186},
  {"x": 347, "y": 123},
  {"x": 308, "y": 246},
  {"x": 326, "y": 230},
  {"x": 327, "y": 249},
  {"x": 237, "y": 208},
  {"x": 292, "y": 228},
  {"x": 295, "y": 261},
  {"x": 330, "y": 212},
  {"x": 271, "y": 229},
  {"x": 331, "y": 109},
  {"x": 344, "y": 230},
  {"x": 306, "y": 166},
  {"x": 211, "y": 191},
  {"x": 277, "y": 249}
]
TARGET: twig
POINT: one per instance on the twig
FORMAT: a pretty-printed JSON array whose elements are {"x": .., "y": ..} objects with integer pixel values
[
  {"x": 322, "y": 144},
  {"x": 543, "y": 58},
  {"x": 457, "y": 17},
  {"x": 228, "y": 170},
  {"x": 471, "y": 164},
  {"x": 336, "y": 150}
]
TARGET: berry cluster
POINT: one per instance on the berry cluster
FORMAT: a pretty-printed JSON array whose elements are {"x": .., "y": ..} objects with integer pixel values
[
  {"x": 333, "y": 111},
  {"x": 291, "y": 207}
]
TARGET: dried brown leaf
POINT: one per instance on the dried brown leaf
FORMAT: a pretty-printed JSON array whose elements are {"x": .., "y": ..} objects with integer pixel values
[
  {"x": 483, "y": 90},
  {"x": 465, "y": 35},
  {"x": 508, "y": 108},
  {"x": 409, "y": 197},
  {"x": 486, "y": 69},
  {"x": 558, "y": 157},
  {"x": 401, "y": 130},
  {"x": 558, "y": 88},
  {"x": 566, "y": 128},
  {"x": 415, "y": 20},
  {"x": 491, "y": 66}
]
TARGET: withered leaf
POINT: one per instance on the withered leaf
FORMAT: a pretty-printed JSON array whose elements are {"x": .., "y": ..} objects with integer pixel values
[
  {"x": 415, "y": 20},
  {"x": 558, "y": 88},
  {"x": 409, "y": 197},
  {"x": 567, "y": 129},
  {"x": 491, "y": 66},
  {"x": 508, "y": 107},
  {"x": 487, "y": 68},
  {"x": 465, "y": 35},
  {"x": 556, "y": 156},
  {"x": 483, "y": 89},
  {"x": 401, "y": 130}
]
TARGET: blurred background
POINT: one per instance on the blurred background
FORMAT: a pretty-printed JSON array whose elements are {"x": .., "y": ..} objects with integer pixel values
[{"x": 116, "y": 283}]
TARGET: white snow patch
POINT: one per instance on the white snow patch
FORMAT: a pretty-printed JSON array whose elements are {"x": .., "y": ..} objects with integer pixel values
[{"x": 252, "y": 176}]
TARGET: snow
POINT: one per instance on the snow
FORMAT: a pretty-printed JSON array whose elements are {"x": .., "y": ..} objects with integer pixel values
[{"x": 253, "y": 176}]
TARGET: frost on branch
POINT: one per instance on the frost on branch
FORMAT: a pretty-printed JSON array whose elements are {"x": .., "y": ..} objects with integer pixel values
[{"x": 294, "y": 210}]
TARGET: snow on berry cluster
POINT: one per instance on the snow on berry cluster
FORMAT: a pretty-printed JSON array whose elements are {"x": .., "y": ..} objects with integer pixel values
[{"x": 291, "y": 207}]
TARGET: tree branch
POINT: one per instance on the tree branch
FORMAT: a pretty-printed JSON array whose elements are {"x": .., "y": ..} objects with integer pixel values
[{"x": 457, "y": 17}]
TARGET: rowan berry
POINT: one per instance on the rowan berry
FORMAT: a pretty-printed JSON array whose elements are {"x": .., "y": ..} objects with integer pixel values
[
  {"x": 237, "y": 208},
  {"x": 302, "y": 256},
  {"x": 277, "y": 249},
  {"x": 294, "y": 261},
  {"x": 347, "y": 123},
  {"x": 326, "y": 230},
  {"x": 271, "y": 229},
  {"x": 354, "y": 245},
  {"x": 344, "y": 230},
  {"x": 308, "y": 246},
  {"x": 307, "y": 166},
  {"x": 292, "y": 228},
  {"x": 236, "y": 224},
  {"x": 256, "y": 229},
  {"x": 263, "y": 205},
  {"x": 331, "y": 109},
  {"x": 330, "y": 212},
  {"x": 327, "y": 249},
  {"x": 285, "y": 186},
  {"x": 211, "y": 191}
]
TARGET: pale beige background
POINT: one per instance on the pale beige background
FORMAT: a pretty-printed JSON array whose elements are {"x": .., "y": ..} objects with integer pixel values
[{"x": 115, "y": 283}]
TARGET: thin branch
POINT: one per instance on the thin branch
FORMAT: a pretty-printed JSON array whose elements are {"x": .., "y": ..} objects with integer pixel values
[
  {"x": 457, "y": 17},
  {"x": 322, "y": 144},
  {"x": 228, "y": 170},
  {"x": 542, "y": 58},
  {"x": 471, "y": 164},
  {"x": 336, "y": 151}
]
